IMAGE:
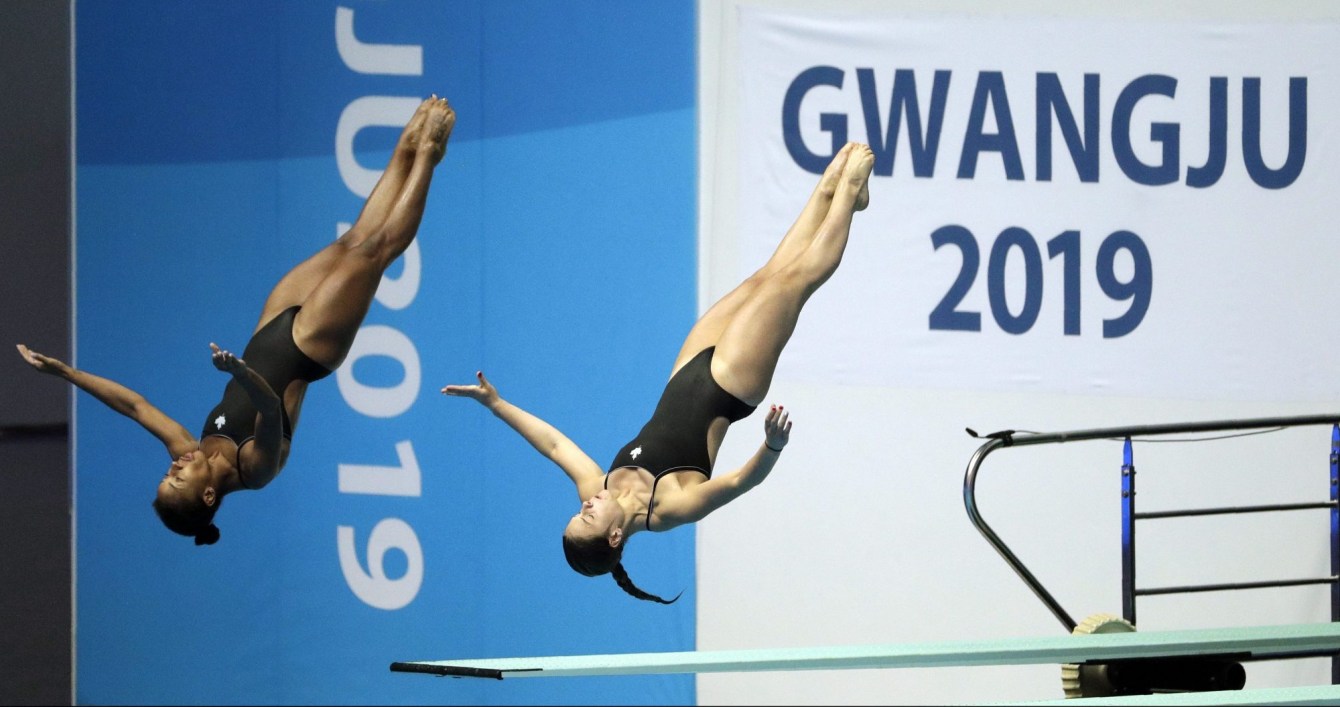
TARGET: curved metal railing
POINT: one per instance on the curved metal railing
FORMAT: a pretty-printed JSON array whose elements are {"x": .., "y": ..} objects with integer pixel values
[{"x": 1010, "y": 438}]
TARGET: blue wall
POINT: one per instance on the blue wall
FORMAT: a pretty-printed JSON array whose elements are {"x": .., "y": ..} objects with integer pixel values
[{"x": 558, "y": 255}]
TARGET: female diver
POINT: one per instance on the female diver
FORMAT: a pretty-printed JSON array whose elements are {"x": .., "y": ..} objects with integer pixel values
[
  {"x": 306, "y": 328},
  {"x": 663, "y": 478}
]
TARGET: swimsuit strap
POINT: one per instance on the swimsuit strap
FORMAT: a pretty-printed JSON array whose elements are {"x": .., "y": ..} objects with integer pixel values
[
  {"x": 657, "y": 479},
  {"x": 242, "y": 477}
]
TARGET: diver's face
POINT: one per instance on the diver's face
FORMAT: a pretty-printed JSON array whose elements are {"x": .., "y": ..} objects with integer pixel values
[
  {"x": 187, "y": 476},
  {"x": 598, "y": 515}
]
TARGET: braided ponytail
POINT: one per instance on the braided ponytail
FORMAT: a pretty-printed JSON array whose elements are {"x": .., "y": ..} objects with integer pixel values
[
  {"x": 594, "y": 557},
  {"x": 626, "y": 584}
]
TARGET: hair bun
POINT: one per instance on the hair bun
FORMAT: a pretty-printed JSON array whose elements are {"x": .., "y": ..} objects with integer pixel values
[{"x": 208, "y": 536}]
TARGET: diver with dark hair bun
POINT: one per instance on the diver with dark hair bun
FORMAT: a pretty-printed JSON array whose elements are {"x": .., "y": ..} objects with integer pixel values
[{"x": 306, "y": 328}]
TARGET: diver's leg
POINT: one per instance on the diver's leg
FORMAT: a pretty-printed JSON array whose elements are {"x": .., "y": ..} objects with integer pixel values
[
  {"x": 334, "y": 310},
  {"x": 753, "y": 339}
]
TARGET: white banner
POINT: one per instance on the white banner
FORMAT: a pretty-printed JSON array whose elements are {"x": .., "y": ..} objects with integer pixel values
[{"x": 1057, "y": 205}]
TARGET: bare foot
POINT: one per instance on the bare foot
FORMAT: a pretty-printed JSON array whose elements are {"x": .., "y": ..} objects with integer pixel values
[
  {"x": 856, "y": 174},
  {"x": 862, "y": 198},
  {"x": 828, "y": 182},
  {"x": 409, "y": 137},
  {"x": 822, "y": 197},
  {"x": 438, "y": 122}
]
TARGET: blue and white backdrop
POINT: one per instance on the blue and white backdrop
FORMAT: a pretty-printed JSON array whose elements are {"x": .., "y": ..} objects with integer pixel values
[{"x": 1077, "y": 220}]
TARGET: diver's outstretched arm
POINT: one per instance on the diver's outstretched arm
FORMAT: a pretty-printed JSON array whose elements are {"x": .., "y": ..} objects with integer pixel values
[
  {"x": 696, "y": 502},
  {"x": 544, "y": 437},
  {"x": 118, "y": 397}
]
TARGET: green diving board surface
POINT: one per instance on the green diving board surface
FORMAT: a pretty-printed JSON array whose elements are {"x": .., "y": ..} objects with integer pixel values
[
  {"x": 1258, "y": 641},
  {"x": 1315, "y": 695}
]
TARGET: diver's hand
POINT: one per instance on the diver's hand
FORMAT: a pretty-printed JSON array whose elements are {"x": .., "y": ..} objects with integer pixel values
[
  {"x": 225, "y": 361},
  {"x": 777, "y": 428},
  {"x": 43, "y": 363},
  {"x": 484, "y": 393}
]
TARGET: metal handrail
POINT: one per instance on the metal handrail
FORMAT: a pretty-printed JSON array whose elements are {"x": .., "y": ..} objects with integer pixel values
[
  {"x": 1010, "y": 438},
  {"x": 1268, "y": 508}
]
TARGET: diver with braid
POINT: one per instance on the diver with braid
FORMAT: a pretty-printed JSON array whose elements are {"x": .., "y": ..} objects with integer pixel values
[
  {"x": 663, "y": 479},
  {"x": 306, "y": 329}
]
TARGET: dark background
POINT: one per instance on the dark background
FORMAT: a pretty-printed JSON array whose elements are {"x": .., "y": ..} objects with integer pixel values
[{"x": 35, "y": 504}]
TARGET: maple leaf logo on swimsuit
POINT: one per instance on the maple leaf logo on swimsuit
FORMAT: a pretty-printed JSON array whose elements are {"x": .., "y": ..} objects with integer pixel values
[
  {"x": 220, "y": 421},
  {"x": 635, "y": 452}
]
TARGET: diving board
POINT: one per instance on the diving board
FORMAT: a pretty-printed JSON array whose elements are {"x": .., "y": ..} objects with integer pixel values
[{"x": 1260, "y": 642}]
